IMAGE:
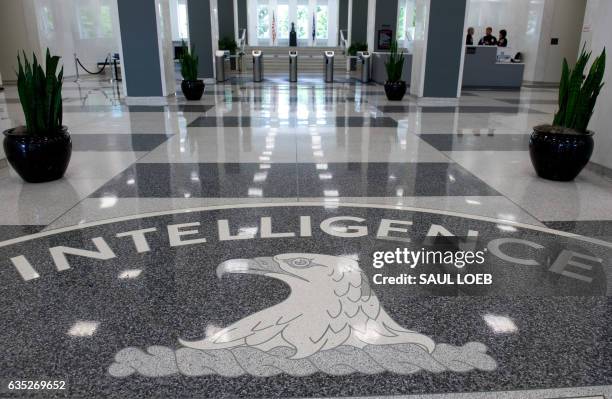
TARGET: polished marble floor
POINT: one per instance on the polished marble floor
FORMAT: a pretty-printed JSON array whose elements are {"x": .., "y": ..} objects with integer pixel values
[{"x": 247, "y": 152}]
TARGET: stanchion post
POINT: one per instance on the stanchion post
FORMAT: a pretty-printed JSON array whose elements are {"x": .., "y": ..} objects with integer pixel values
[
  {"x": 110, "y": 60},
  {"x": 76, "y": 68}
]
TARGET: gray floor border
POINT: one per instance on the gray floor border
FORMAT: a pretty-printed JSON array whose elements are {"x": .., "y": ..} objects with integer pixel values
[{"x": 592, "y": 392}]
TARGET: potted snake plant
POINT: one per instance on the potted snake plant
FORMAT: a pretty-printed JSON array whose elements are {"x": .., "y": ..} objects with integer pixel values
[
  {"x": 352, "y": 51},
  {"x": 395, "y": 87},
  {"x": 192, "y": 87},
  {"x": 560, "y": 151},
  {"x": 39, "y": 151}
]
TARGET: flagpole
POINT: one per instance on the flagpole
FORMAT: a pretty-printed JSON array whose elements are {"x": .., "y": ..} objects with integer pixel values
[
  {"x": 273, "y": 29},
  {"x": 314, "y": 30}
]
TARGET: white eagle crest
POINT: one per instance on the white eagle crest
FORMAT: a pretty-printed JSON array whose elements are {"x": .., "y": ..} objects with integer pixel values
[
  {"x": 332, "y": 322},
  {"x": 331, "y": 304}
]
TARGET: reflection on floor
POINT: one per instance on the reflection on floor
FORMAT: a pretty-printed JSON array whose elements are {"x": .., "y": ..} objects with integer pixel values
[
  {"x": 309, "y": 140},
  {"x": 267, "y": 171}
]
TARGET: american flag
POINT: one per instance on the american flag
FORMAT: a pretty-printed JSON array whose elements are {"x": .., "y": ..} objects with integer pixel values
[
  {"x": 314, "y": 28},
  {"x": 273, "y": 29}
]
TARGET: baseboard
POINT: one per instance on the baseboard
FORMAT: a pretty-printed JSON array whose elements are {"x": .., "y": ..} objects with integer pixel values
[
  {"x": 146, "y": 100},
  {"x": 599, "y": 169}
]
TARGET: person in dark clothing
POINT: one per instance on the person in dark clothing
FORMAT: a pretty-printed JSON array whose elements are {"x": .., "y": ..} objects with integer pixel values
[
  {"x": 488, "y": 39},
  {"x": 469, "y": 39},
  {"x": 502, "y": 41}
]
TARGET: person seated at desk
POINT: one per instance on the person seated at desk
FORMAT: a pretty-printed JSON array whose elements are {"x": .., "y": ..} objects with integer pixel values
[
  {"x": 469, "y": 39},
  {"x": 488, "y": 39},
  {"x": 502, "y": 41}
]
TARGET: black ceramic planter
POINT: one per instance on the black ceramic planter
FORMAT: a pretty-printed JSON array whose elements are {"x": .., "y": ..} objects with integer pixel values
[
  {"x": 559, "y": 156},
  {"x": 395, "y": 90},
  {"x": 38, "y": 159},
  {"x": 192, "y": 89}
]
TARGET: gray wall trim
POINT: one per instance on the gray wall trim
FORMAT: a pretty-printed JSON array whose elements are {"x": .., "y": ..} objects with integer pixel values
[
  {"x": 200, "y": 34},
  {"x": 141, "y": 62},
  {"x": 242, "y": 17},
  {"x": 444, "y": 47},
  {"x": 386, "y": 18},
  {"x": 359, "y": 21},
  {"x": 225, "y": 9}
]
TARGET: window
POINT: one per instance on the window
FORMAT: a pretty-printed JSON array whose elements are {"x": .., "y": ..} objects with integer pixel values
[
  {"x": 318, "y": 18},
  {"x": 263, "y": 22},
  {"x": 94, "y": 20},
  {"x": 302, "y": 22},
  {"x": 406, "y": 19},
  {"x": 282, "y": 22},
  {"x": 321, "y": 22},
  {"x": 401, "y": 23},
  {"x": 48, "y": 25},
  {"x": 183, "y": 22},
  {"x": 106, "y": 22},
  {"x": 87, "y": 24}
]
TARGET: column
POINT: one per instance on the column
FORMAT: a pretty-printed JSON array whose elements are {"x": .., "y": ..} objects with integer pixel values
[
  {"x": 226, "y": 19},
  {"x": 201, "y": 20},
  {"x": 385, "y": 17},
  {"x": 146, "y": 40},
  {"x": 359, "y": 19},
  {"x": 242, "y": 16},
  {"x": 438, "y": 53}
]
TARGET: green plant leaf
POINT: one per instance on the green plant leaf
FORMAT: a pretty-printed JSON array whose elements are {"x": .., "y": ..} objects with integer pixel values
[{"x": 40, "y": 94}]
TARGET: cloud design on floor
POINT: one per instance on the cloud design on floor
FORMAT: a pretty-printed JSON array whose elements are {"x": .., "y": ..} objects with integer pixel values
[
  {"x": 160, "y": 361},
  {"x": 331, "y": 322}
]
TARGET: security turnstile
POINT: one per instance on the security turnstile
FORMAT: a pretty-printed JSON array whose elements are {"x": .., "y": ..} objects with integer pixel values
[
  {"x": 222, "y": 65},
  {"x": 329, "y": 66},
  {"x": 257, "y": 66},
  {"x": 293, "y": 60},
  {"x": 363, "y": 59}
]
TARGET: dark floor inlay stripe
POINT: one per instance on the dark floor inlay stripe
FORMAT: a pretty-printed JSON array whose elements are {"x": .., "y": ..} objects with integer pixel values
[
  {"x": 477, "y": 142},
  {"x": 389, "y": 180},
  {"x": 527, "y": 101},
  {"x": 117, "y": 142},
  {"x": 287, "y": 180},
  {"x": 589, "y": 228},
  {"x": 9, "y": 231},
  {"x": 246, "y": 121},
  {"x": 464, "y": 109},
  {"x": 139, "y": 108}
]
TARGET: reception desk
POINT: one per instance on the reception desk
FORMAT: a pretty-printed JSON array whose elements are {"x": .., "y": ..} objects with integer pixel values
[
  {"x": 482, "y": 70},
  {"x": 379, "y": 73}
]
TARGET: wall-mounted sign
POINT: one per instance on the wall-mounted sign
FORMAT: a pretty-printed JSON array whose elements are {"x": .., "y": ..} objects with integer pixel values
[{"x": 384, "y": 39}]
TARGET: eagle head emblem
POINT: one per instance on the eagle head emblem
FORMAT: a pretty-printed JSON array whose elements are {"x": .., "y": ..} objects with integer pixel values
[{"x": 331, "y": 304}]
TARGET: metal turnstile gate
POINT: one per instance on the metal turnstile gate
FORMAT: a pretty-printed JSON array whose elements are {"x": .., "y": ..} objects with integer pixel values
[
  {"x": 293, "y": 60},
  {"x": 329, "y": 66},
  {"x": 257, "y": 66},
  {"x": 363, "y": 58}
]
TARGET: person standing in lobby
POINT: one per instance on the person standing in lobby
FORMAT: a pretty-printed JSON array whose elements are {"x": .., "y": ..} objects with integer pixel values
[
  {"x": 488, "y": 39},
  {"x": 502, "y": 41},
  {"x": 469, "y": 39}
]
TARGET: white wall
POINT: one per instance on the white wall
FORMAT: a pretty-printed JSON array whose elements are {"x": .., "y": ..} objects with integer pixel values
[
  {"x": 597, "y": 33},
  {"x": 521, "y": 18},
  {"x": 16, "y": 34},
  {"x": 530, "y": 25},
  {"x": 419, "y": 47},
  {"x": 563, "y": 20},
  {"x": 166, "y": 49},
  {"x": 65, "y": 26}
]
